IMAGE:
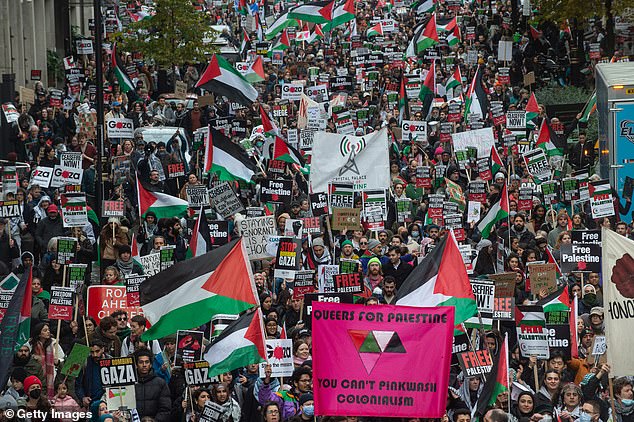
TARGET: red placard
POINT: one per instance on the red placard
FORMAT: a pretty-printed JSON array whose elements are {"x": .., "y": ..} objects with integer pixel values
[{"x": 104, "y": 300}]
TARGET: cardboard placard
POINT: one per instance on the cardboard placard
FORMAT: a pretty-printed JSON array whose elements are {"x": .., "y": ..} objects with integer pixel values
[
  {"x": 504, "y": 284},
  {"x": 542, "y": 276},
  {"x": 346, "y": 218},
  {"x": 254, "y": 233},
  {"x": 225, "y": 200}
]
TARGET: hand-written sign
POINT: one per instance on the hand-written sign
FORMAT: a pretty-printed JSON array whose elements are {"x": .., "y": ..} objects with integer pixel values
[
  {"x": 254, "y": 232},
  {"x": 346, "y": 218}
]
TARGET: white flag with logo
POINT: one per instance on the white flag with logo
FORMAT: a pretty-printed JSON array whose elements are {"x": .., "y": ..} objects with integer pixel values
[{"x": 360, "y": 160}]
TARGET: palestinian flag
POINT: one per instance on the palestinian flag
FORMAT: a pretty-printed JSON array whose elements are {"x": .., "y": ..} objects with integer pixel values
[
  {"x": 403, "y": 106},
  {"x": 315, "y": 12},
  {"x": 125, "y": 83},
  {"x": 532, "y": 109},
  {"x": 535, "y": 33},
  {"x": 440, "y": 280},
  {"x": 16, "y": 324},
  {"x": 447, "y": 25},
  {"x": 428, "y": 89},
  {"x": 549, "y": 141},
  {"x": 282, "y": 43},
  {"x": 343, "y": 13},
  {"x": 270, "y": 129},
  {"x": 412, "y": 50},
  {"x": 557, "y": 301},
  {"x": 496, "y": 161},
  {"x": 200, "y": 242},
  {"x": 279, "y": 25},
  {"x": 429, "y": 36},
  {"x": 590, "y": 107},
  {"x": 245, "y": 42},
  {"x": 285, "y": 152},
  {"x": 454, "y": 36},
  {"x": 455, "y": 80},
  {"x": 243, "y": 8},
  {"x": 240, "y": 344},
  {"x": 228, "y": 160},
  {"x": 376, "y": 30},
  {"x": 162, "y": 204},
  {"x": 498, "y": 212},
  {"x": 530, "y": 316},
  {"x": 223, "y": 79},
  {"x": 423, "y": 6},
  {"x": 92, "y": 216},
  {"x": 476, "y": 101},
  {"x": 316, "y": 35},
  {"x": 188, "y": 294},
  {"x": 255, "y": 73},
  {"x": 496, "y": 382},
  {"x": 134, "y": 245}
]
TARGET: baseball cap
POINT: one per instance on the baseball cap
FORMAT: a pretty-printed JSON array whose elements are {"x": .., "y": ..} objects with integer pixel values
[{"x": 597, "y": 310}]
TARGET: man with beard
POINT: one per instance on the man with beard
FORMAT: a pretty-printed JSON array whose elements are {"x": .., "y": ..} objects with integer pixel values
[
  {"x": 107, "y": 334},
  {"x": 174, "y": 237},
  {"x": 88, "y": 385},
  {"x": 389, "y": 290},
  {"x": 292, "y": 315},
  {"x": 374, "y": 275},
  {"x": 23, "y": 359},
  {"x": 520, "y": 231}
]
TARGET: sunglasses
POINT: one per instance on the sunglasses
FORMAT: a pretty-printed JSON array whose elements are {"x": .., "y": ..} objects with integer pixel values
[{"x": 122, "y": 319}]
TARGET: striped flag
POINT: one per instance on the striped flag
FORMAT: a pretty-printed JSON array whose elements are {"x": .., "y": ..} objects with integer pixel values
[
  {"x": 476, "y": 101},
  {"x": 455, "y": 80},
  {"x": 423, "y": 6},
  {"x": 454, "y": 36},
  {"x": 125, "y": 83},
  {"x": 557, "y": 301},
  {"x": 589, "y": 108},
  {"x": 498, "y": 212},
  {"x": 200, "y": 242},
  {"x": 429, "y": 36},
  {"x": 163, "y": 205},
  {"x": 227, "y": 159},
  {"x": 496, "y": 382},
  {"x": 221, "y": 78},
  {"x": 315, "y": 12},
  {"x": 428, "y": 89},
  {"x": 279, "y": 25},
  {"x": 189, "y": 293},
  {"x": 241, "y": 343},
  {"x": 343, "y": 13}
]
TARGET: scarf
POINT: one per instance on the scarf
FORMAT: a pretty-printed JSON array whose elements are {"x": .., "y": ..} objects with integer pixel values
[
  {"x": 125, "y": 267},
  {"x": 299, "y": 361},
  {"x": 622, "y": 410},
  {"x": 48, "y": 365}
]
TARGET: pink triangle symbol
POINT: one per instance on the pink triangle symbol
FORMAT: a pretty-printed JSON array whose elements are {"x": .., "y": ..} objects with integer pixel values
[{"x": 369, "y": 360}]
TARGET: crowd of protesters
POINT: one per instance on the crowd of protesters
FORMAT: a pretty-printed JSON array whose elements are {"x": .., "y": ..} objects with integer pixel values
[{"x": 568, "y": 389}]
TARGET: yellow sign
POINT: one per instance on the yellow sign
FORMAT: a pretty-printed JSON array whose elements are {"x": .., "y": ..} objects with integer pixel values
[{"x": 629, "y": 91}]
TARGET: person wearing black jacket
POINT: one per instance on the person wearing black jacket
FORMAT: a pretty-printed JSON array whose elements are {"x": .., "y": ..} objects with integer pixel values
[
  {"x": 152, "y": 393},
  {"x": 395, "y": 267},
  {"x": 581, "y": 154},
  {"x": 8, "y": 248}
]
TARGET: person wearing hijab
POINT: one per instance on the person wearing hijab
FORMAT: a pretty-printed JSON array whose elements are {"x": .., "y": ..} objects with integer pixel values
[
  {"x": 470, "y": 391},
  {"x": 524, "y": 408},
  {"x": 485, "y": 263}
]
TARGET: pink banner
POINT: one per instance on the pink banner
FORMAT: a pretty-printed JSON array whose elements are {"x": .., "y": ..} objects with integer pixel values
[{"x": 381, "y": 360}]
